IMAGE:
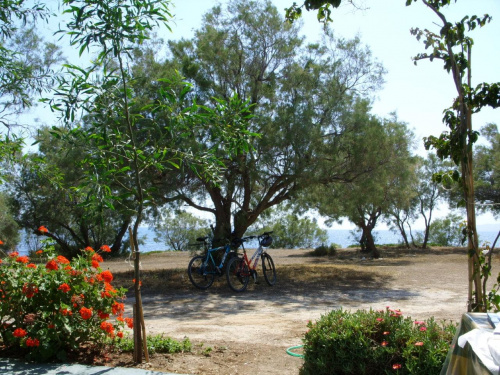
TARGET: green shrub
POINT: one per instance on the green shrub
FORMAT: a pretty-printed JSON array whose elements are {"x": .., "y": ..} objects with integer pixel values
[
  {"x": 324, "y": 250},
  {"x": 50, "y": 309},
  {"x": 375, "y": 342},
  {"x": 156, "y": 344}
]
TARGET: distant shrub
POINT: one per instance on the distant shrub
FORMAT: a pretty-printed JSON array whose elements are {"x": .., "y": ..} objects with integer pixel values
[
  {"x": 156, "y": 344},
  {"x": 375, "y": 342},
  {"x": 324, "y": 250}
]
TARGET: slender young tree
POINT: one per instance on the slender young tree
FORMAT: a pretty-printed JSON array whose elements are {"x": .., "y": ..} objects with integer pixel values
[{"x": 454, "y": 48}]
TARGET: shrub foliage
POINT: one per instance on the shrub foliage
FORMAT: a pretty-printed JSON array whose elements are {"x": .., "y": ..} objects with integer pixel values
[
  {"x": 375, "y": 342},
  {"x": 54, "y": 306}
]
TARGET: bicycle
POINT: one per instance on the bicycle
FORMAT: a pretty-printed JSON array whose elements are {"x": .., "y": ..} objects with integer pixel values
[
  {"x": 202, "y": 269},
  {"x": 239, "y": 269}
]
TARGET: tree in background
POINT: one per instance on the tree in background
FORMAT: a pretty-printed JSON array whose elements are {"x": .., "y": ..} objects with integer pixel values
[
  {"x": 487, "y": 161},
  {"x": 42, "y": 186},
  {"x": 9, "y": 229},
  {"x": 447, "y": 231},
  {"x": 180, "y": 230},
  {"x": 25, "y": 68},
  {"x": 431, "y": 192},
  {"x": 384, "y": 166},
  {"x": 297, "y": 92},
  {"x": 289, "y": 230}
]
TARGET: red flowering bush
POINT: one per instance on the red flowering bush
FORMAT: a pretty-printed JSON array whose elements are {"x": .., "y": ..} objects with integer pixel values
[
  {"x": 56, "y": 307},
  {"x": 375, "y": 342}
]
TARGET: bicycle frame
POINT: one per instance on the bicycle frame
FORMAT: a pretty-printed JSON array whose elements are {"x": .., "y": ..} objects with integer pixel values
[
  {"x": 210, "y": 257},
  {"x": 239, "y": 269},
  {"x": 255, "y": 258}
]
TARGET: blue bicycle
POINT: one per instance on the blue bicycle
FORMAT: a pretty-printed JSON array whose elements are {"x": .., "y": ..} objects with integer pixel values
[{"x": 202, "y": 269}]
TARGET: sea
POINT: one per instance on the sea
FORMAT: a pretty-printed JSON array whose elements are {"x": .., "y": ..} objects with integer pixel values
[{"x": 341, "y": 237}]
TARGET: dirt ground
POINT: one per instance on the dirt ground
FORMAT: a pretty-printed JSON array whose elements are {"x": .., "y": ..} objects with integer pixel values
[{"x": 249, "y": 332}]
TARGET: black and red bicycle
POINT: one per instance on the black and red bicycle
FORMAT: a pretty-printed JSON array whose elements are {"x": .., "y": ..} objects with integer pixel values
[{"x": 241, "y": 268}]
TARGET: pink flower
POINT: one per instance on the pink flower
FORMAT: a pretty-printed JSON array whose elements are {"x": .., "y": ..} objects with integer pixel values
[
  {"x": 423, "y": 328},
  {"x": 396, "y": 366},
  {"x": 419, "y": 343},
  {"x": 380, "y": 319}
]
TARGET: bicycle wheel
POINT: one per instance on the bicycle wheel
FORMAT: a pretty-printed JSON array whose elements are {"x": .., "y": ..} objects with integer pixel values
[
  {"x": 237, "y": 274},
  {"x": 201, "y": 275},
  {"x": 268, "y": 269}
]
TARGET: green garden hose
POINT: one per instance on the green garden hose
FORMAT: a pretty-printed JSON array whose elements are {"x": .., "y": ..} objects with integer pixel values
[{"x": 289, "y": 351}]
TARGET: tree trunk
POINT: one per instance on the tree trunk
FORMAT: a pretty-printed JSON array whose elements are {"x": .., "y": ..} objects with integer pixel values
[
  {"x": 117, "y": 243},
  {"x": 367, "y": 242}
]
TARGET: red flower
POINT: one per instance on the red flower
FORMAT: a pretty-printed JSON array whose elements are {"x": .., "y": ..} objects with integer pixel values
[
  {"x": 42, "y": 229},
  {"x": 423, "y": 328},
  {"x": 62, "y": 260},
  {"x": 107, "y": 276},
  {"x": 120, "y": 334},
  {"x": 31, "y": 265},
  {"x": 85, "y": 313},
  {"x": 102, "y": 315},
  {"x": 14, "y": 254},
  {"x": 88, "y": 248},
  {"x": 64, "y": 287},
  {"x": 1, "y": 261},
  {"x": 65, "y": 312},
  {"x": 386, "y": 333},
  {"x": 384, "y": 343},
  {"x": 30, "y": 289},
  {"x": 23, "y": 259},
  {"x": 32, "y": 342},
  {"x": 39, "y": 252},
  {"x": 1, "y": 242},
  {"x": 396, "y": 366},
  {"x": 106, "y": 248},
  {"x": 51, "y": 326},
  {"x": 52, "y": 265},
  {"x": 19, "y": 332},
  {"x": 95, "y": 264},
  {"x": 380, "y": 319},
  {"x": 130, "y": 322},
  {"x": 117, "y": 307},
  {"x": 107, "y": 327}
]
